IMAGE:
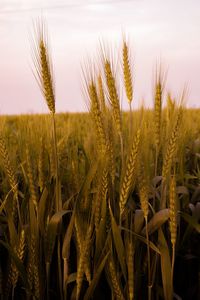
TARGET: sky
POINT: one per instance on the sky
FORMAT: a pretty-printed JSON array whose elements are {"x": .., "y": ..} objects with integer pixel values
[{"x": 157, "y": 30}]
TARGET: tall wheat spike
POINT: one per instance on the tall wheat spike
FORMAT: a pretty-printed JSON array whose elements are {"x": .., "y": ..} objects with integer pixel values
[
  {"x": 101, "y": 94},
  {"x": 45, "y": 77},
  {"x": 128, "y": 82},
  {"x": 97, "y": 117},
  {"x": 158, "y": 109},
  {"x": 43, "y": 66},
  {"x": 172, "y": 144},
  {"x": 130, "y": 173},
  {"x": 113, "y": 95}
]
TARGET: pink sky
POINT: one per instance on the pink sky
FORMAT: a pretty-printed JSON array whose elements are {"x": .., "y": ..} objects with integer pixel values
[{"x": 156, "y": 28}]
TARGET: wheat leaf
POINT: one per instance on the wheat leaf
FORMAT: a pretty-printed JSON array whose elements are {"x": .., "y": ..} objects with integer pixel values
[
  {"x": 157, "y": 220},
  {"x": 118, "y": 243},
  {"x": 52, "y": 233},
  {"x": 19, "y": 265},
  {"x": 166, "y": 269},
  {"x": 42, "y": 209},
  {"x": 95, "y": 279}
]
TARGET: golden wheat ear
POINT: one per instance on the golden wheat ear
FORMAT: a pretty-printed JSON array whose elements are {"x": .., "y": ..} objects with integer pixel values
[
  {"x": 128, "y": 80},
  {"x": 97, "y": 116},
  {"x": 43, "y": 65},
  {"x": 158, "y": 99}
]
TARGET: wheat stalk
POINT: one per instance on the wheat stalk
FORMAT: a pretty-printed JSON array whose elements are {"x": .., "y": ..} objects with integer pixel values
[
  {"x": 130, "y": 265},
  {"x": 31, "y": 180},
  {"x": 41, "y": 167},
  {"x": 128, "y": 80},
  {"x": 143, "y": 193},
  {"x": 45, "y": 78}
]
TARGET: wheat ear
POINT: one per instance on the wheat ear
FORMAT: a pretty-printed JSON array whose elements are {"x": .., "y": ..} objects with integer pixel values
[
  {"x": 97, "y": 116},
  {"x": 171, "y": 147},
  {"x": 101, "y": 94},
  {"x": 157, "y": 111},
  {"x": 83, "y": 259},
  {"x": 128, "y": 82},
  {"x": 130, "y": 173},
  {"x": 115, "y": 281},
  {"x": 102, "y": 194},
  {"x": 113, "y": 95},
  {"x": 12, "y": 180},
  {"x": 33, "y": 267},
  {"x": 143, "y": 193},
  {"x": 14, "y": 272},
  {"x": 173, "y": 218},
  {"x": 43, "y": 66}
]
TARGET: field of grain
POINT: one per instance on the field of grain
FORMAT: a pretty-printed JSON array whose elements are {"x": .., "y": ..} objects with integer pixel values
[{"x": 104, "y": 204}]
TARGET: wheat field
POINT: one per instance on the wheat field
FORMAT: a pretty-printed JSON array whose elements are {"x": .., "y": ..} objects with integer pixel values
[{"x": 104, "y": 204}]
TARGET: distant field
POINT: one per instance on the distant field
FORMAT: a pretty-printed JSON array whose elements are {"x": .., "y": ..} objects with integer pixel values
[{"x": 27, "y": 160}]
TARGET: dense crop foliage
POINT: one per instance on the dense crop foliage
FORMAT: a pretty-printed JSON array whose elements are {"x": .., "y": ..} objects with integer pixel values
[{"x": 101, "y": 205}]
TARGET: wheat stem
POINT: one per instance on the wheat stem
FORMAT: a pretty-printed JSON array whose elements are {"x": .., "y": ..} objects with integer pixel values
[{"x": 148, "y": 258}]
